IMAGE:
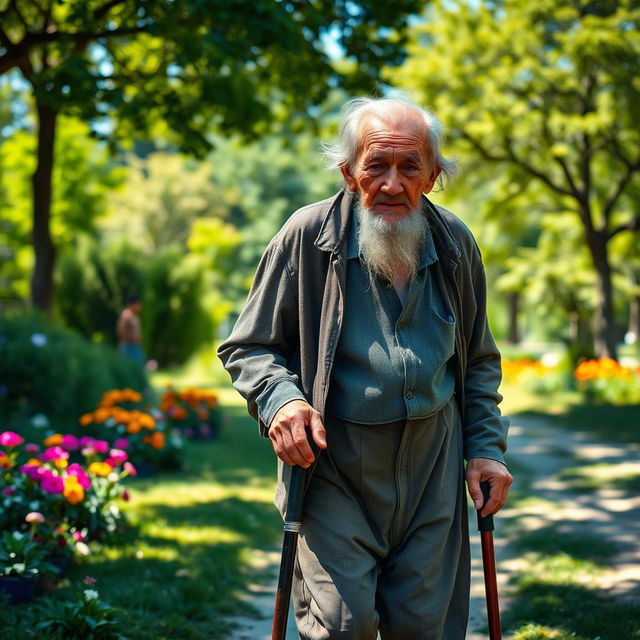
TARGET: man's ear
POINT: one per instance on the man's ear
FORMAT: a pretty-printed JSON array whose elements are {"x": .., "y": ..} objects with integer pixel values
[
  {"x": 348, "y": 177},
  {"x": 432, "y": 180}
]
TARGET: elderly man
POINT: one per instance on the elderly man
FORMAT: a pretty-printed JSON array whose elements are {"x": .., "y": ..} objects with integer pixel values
[{"x": 366, "y": 331}]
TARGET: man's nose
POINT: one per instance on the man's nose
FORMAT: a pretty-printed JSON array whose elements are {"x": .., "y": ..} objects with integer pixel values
[{"x": 392, "y": 184}]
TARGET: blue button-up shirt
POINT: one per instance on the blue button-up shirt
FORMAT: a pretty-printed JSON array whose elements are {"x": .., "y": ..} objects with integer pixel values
[{"x": 393, "y": 361}]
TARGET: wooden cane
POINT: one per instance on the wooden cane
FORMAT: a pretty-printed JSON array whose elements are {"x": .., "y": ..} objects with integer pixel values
[
  {"x": 292, "y": 525},
  {"x": 485, "y": 527}
]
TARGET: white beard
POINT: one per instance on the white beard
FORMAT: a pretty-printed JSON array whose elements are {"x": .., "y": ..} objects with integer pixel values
[{"x": 391, "y": 251}]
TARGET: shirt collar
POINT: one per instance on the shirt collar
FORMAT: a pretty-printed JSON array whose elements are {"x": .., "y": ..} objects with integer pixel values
[{"x": 428, "y": 254}]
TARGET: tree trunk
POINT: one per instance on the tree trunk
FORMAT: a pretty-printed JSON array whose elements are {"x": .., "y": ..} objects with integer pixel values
[
  {"x": 604, "y": 321},
  {"x": 44, "y": 251},
  {"x": 513, "y": 333}
]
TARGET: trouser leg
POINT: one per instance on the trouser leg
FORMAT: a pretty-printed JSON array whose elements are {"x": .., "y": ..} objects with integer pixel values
[
  {"x": 384, "y": 540},
  {"x": 423, "y": 589}
]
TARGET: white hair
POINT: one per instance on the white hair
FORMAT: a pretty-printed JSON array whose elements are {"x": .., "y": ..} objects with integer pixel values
[{"x": 344, "y": 151}]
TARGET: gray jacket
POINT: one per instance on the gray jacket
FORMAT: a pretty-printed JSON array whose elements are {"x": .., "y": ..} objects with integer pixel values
[{"x": 291, "y": 322}]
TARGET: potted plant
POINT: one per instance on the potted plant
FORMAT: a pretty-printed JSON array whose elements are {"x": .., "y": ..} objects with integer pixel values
[{"x": 22, "y": 562}]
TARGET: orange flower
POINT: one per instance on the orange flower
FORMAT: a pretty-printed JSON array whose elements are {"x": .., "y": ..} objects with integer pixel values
[
  {"x": 73, "y": 490},
  {"x": 134, "y": 427},
  {"x": 5, "y": 461},
  {"x": 34, "y": 462},
  {"x": 61, "y": 463},
  {"x": 86, "y": 419},
  {"x": 156, "y": 440},
  {"x": 53, "y": 440},
  {"x": 100, "y": 468},
  {"x": 147, "y": 421},
  {"x": 102, "y": 414}
]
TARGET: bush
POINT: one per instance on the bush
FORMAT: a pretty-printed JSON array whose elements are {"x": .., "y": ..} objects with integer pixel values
[
  {"x": 93, "y": 285},
  {"x": 45, "y": 369}
]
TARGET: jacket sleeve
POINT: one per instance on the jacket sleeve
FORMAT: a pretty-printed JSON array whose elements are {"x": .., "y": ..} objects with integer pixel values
[
  {"x": 258, "y": 351},
  {"x": 485, "y": 430}
]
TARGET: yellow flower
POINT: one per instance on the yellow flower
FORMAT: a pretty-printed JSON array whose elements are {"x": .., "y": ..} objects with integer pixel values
[
  {"x": 100, "y": 469},
  {"x": 73, "y": 490},
  {"x": 53, "y": 440}
]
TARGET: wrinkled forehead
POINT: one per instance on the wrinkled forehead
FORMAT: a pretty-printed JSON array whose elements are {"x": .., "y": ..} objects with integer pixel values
[{"x": 404, "y": 130}]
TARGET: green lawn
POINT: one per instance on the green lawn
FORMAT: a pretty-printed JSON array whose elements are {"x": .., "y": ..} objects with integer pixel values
[{"x": 190, "y": 561}]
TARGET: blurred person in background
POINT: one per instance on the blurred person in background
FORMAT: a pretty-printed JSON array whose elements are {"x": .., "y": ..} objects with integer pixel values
[{"x": 129, "y": 331}]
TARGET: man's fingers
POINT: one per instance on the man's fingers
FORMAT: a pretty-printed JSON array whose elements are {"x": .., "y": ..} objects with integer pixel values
[{"x": 317, "y": 430}]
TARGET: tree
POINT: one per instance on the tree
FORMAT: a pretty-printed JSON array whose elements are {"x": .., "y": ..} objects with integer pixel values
[
  {"x": 548, "y": 93},
  {"x": 126, "y": 65}
]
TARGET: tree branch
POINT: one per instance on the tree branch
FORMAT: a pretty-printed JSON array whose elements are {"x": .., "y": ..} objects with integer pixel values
[
  {"x": 17, "y": 11},
  {"x": 21, "y": 50},
  {"x": 106, "y": 7},
  {"x": 632, "y": 167},
  {"x": 632, "y": 225},
  {"x": 533, "y": 171}
]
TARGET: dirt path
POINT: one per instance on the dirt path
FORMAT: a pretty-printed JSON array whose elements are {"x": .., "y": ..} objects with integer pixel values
[{"x": 538, "y": 454}]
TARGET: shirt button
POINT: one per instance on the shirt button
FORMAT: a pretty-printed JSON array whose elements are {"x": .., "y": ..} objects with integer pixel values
[{"x": 409, "y": 394}]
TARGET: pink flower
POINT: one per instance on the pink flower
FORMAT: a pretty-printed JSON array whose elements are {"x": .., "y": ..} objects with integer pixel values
[
  {"x": 76, "y": 470},
  {"x": 89, "y": 580},
  {"x": 54, "y": 453},
  {"x": 10, "y": 439},
  {"x": 117, "y": 456},
  {"x": 121, "y": 443},
  {"x": 31, "y": 448},
  {"x": 70, "y": 442},
  {"x": 7, "y": 491},
  {"x": 34, "y": 517},
  {"x": 126, "y": 496},
  {"x": 52, "y": 483},
  {"x": 85, "y": 441},
  {"x": 78, "y": 536},
  {"x": 129, "y": 468},
  {"x": 88, "y": 451},
  {"x": 101, "y": 446}
]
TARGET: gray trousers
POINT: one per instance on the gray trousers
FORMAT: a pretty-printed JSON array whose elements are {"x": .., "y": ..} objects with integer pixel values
[{"x": 384, "y": 545}]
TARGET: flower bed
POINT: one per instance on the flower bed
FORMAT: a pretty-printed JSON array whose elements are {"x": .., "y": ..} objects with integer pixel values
[
  {"x": 606, "y": 380},
  {"x": 195, "y": 413},
  {"x": 599, "y": 380},
  {"x": 121, "y": 420}
]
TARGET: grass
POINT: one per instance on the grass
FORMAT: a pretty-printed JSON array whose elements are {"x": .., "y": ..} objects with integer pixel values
[
  {"x": 616, "y": 423},
  {"x": 555, "y": 598},
  {"x": 601, "y": 476},
  {"x": 190, "y": 563}
]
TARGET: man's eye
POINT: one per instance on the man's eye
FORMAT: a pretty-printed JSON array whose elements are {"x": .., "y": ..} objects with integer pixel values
[
  {"x": 413, "y": 167},
  {"x": 374, "y": 166}
]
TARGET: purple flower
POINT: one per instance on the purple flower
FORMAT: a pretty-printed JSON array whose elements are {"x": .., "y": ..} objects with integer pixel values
[
  {"x": 121, "y": 443},
  {"x": 7, "y": 491},
  {"x": 31, "y": 447},
  {"x": 85, "y": 441},
  {"x": 10, "y": 439}
]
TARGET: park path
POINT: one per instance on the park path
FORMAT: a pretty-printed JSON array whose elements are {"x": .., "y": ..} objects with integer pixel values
[{"x": 538, "y": 452}]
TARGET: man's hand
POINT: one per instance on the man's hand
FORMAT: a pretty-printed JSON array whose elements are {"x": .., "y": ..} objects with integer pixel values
[
  {"x": 499, "y": 479},
  {"x": 288, "y": 433}
]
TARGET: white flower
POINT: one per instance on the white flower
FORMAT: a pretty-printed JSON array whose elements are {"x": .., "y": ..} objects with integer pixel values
[
  {"x": 90, "y": 594},
  {"x": 82, "y": 548},
  {"x": 38, "y": 339},
  {"x": 113, "y": 477}
]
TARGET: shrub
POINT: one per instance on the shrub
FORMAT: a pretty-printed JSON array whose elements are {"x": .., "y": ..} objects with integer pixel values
[{"x": 45, "y": 369}]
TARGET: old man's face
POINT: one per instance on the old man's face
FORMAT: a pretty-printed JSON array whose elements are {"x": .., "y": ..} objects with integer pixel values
[{"x": 392, "y": 168}]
